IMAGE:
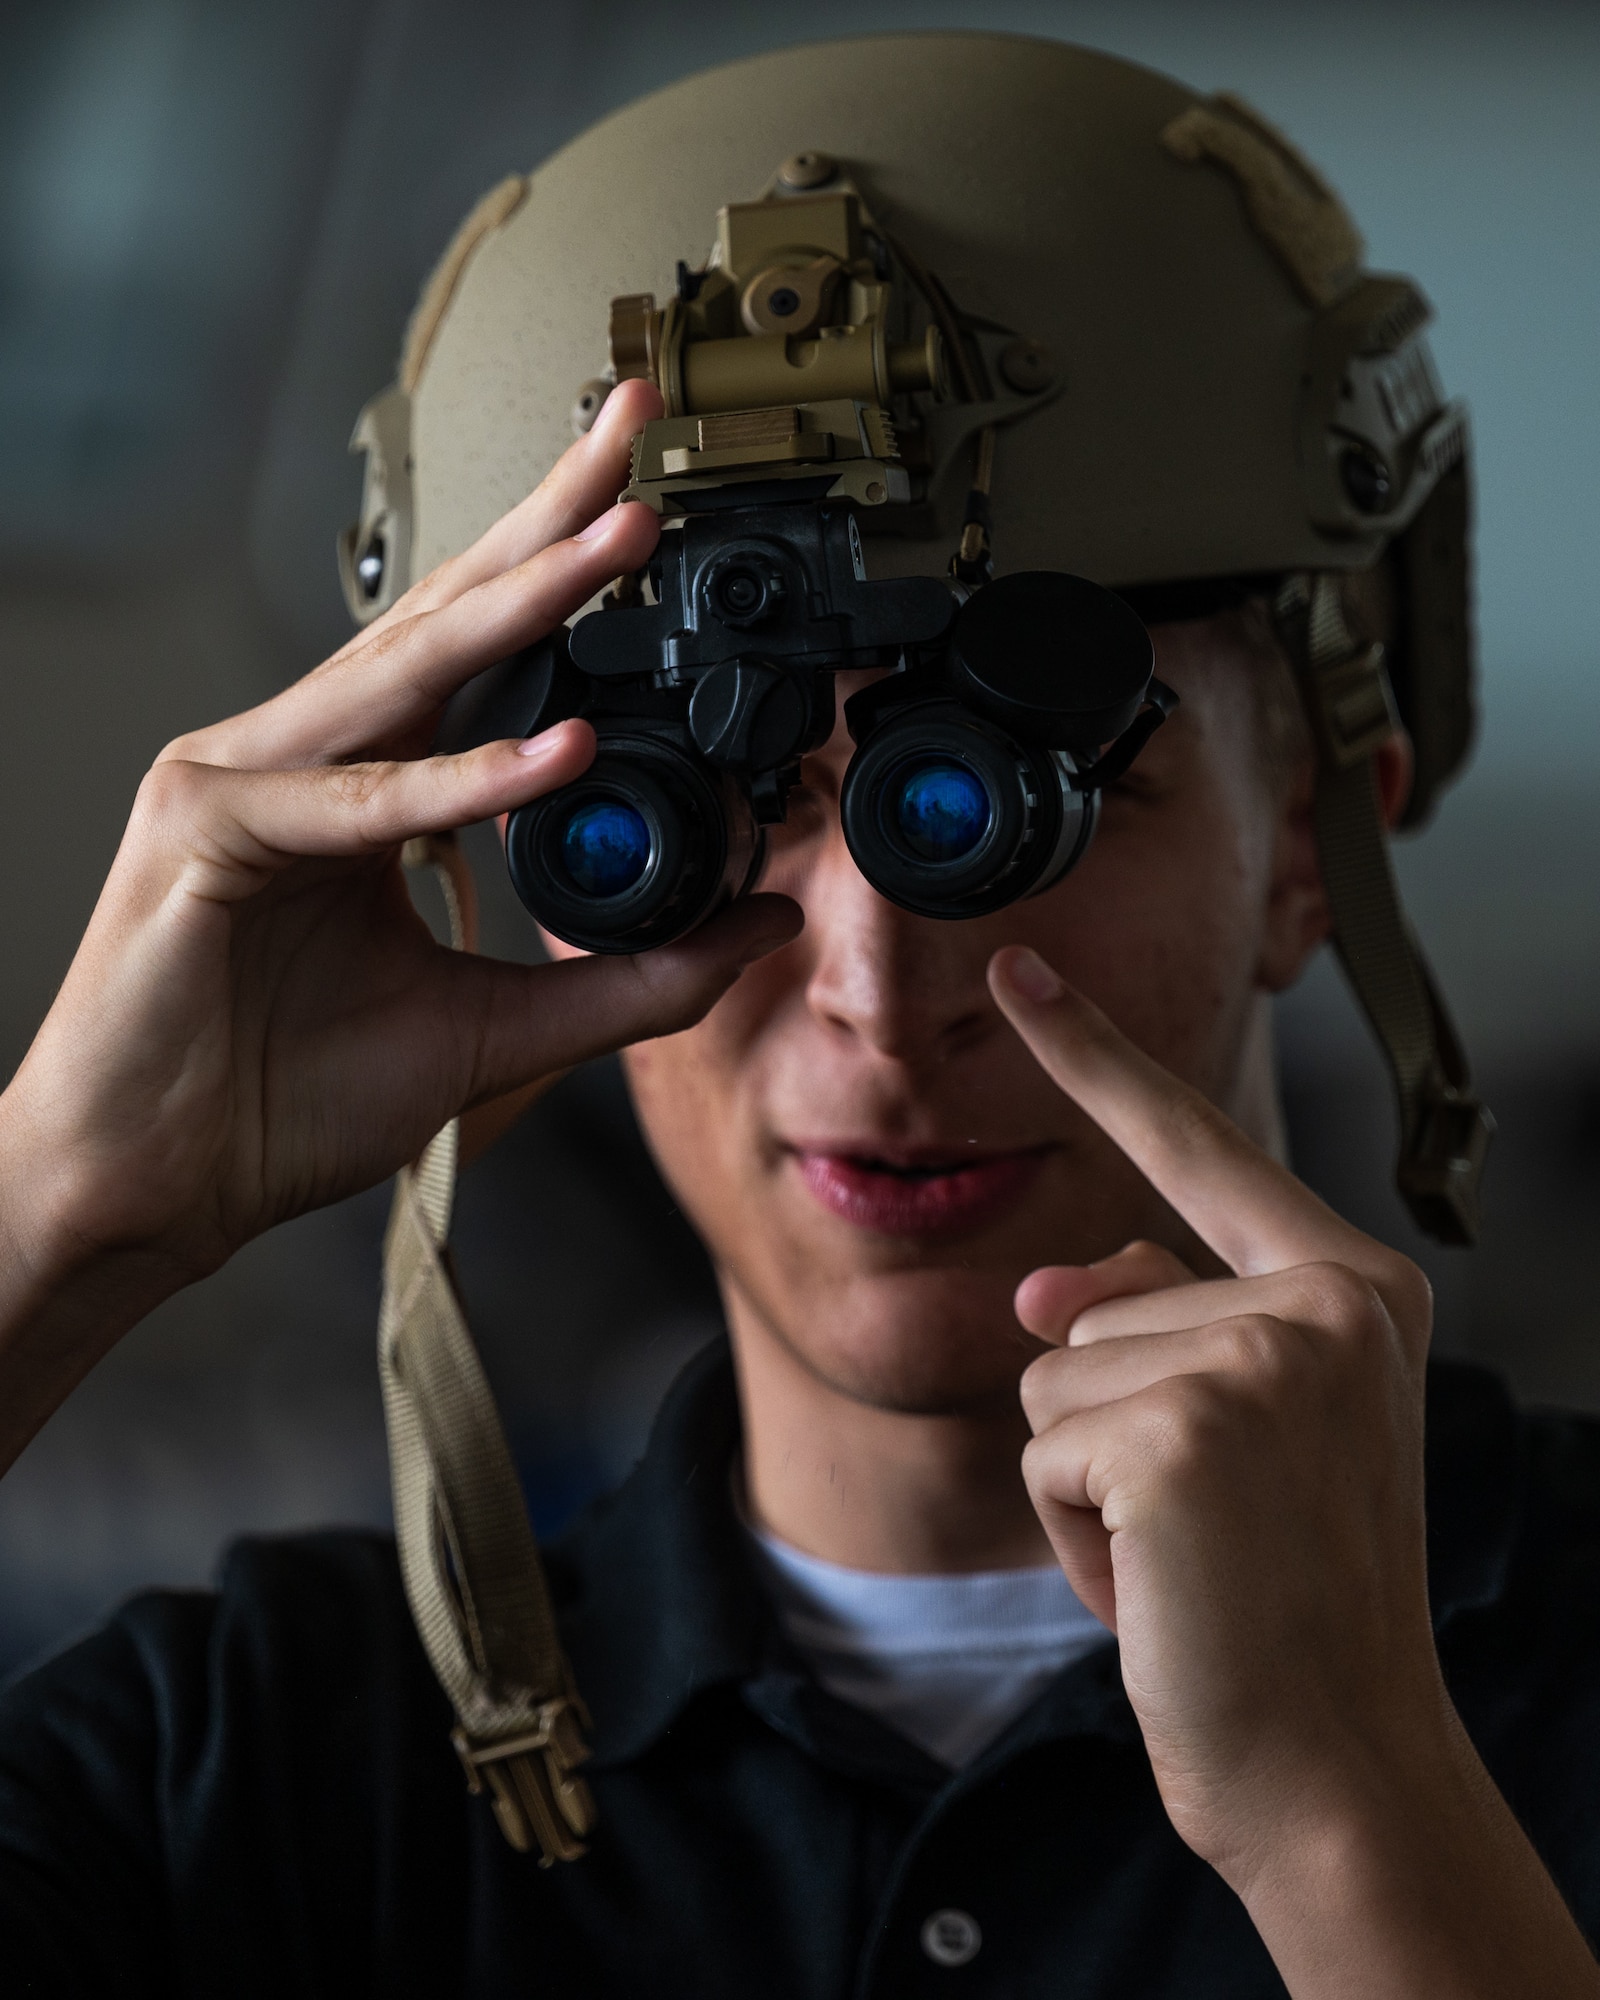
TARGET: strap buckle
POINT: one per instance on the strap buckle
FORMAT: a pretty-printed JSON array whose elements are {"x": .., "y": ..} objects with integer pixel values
[
  {"x": 1352, "y": 707},
  {"x": 1442, "y": 1161},
  {"x": 529, "y": 1780}
]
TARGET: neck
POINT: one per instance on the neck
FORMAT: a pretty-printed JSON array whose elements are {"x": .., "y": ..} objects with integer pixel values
[{"x": 872, "y": 1488}]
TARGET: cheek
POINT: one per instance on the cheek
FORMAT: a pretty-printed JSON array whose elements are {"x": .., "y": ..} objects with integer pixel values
[
  {"x": 1160, "y": 926},
  {"x": 698, "y": 1093},
  {"x": 675, "y": 1083},
  {"x": 674, "y": 1092}
]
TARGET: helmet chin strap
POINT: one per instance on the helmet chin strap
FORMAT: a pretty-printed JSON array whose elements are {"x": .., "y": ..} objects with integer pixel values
[
  {"x": 1444, "y": 1127},
  {"x": 468, "y": 1557}
]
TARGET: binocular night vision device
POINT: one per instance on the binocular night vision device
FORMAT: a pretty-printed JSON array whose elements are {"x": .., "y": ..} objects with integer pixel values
[{"x": 818, "y": 385}]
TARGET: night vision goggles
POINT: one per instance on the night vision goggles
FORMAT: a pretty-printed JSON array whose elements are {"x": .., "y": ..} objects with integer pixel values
[{"x": 819, "y": 386}]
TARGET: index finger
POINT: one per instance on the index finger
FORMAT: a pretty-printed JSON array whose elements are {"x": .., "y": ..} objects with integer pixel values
[
  {"x": 1250, "y": 1210},
  {"x": 584, "y": 480},
  {"x": 515, "y": 584}
]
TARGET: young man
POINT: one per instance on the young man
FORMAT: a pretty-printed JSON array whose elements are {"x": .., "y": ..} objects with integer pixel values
[{"x": 859, "y": 1721}]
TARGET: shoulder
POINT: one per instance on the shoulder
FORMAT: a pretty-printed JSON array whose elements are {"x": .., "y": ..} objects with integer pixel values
[
  {"x": 310, "y": 1623},
  {"x": 228, "y": 1754},
  {"x": 1514, "y": 1554},
  {"x": 1513, "y": 1493}
]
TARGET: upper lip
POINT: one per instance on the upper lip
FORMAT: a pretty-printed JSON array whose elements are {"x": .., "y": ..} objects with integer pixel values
[{"x": 949, "y": 1155}]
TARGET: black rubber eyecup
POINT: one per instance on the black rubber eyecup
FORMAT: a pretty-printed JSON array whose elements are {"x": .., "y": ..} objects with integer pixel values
[
  {"x": 690, "y": 847},
  {"x": 1024, "y": 824}
]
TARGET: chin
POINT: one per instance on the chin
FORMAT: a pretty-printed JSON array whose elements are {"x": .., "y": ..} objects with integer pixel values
[{"x": 928, "y": 1342}]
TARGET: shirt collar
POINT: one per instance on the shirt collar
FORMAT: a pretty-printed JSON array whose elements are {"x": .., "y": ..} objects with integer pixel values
[
  {"x": 655, "y": 1591},
  {"x": 659, "y": 1599}
]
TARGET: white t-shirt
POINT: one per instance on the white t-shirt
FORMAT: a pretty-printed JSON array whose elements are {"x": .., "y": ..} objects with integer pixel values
[{"x": 946, "y": 1660}]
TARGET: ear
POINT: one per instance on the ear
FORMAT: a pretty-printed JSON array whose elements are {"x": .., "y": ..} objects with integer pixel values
[
  {"x": 1297, "y": 917},
  {"x": 1395, "y": 765}
]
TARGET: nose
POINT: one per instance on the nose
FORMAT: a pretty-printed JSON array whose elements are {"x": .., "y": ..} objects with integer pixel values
[{"x": 906, "y": 987}]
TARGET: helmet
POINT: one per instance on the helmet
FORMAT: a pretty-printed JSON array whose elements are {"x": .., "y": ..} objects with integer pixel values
[{"x": 1232, "y": 395}]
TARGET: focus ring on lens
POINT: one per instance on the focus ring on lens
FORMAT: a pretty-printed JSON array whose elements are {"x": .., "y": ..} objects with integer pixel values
[
  {"x": 634, "y": 853},
  {"x": 914, "y": 828}
]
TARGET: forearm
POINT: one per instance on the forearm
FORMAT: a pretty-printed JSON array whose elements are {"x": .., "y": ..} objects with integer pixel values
[{"x": 1414, "y": 1881}]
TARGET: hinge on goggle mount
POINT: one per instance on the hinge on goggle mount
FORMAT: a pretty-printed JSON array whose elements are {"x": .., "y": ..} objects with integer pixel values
[{"x": 1114, "y": 761}]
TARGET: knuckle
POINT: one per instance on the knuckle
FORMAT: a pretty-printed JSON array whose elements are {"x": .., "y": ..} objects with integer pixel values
[
  {"x": 170, "y": 789},
  {"x": 189, "y": 748},
  {"x": 1039, "y": 1388},
  {"x": 1156, "y": 1265},
  {"x": 677, "y": 984},
  {"x": 1191, "y": 1422},
  {"x": 357, "y": 788},
  {"x": 1347, "y": 1301},
  {"x": 1408, "y": 1285},
  {"x": 1257, "y": 1347},
  {"x": 376, "y": 650},
  {"x": 1039, "y": 1465},
  {"x": 654, "y": 976},
  {"x": 442, "y": 585},
  {"x": 665, "y": 995},
  {"x": 1138, "y": 1257}
]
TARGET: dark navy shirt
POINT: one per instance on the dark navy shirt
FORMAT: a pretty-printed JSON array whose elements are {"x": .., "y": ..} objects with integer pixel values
[{"x": 252, "y": 1792}]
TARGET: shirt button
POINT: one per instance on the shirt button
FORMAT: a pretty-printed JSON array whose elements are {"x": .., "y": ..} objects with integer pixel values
[{"x": 951, "y": 1937}]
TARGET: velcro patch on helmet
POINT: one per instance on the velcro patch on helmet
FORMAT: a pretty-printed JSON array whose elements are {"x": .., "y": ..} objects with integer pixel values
[{"x": 1292, "y": 207}]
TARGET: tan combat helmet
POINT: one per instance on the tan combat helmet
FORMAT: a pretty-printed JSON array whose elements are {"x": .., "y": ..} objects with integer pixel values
[{"x": 1167, "y": 371}]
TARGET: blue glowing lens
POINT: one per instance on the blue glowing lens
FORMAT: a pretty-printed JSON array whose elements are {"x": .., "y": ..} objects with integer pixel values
[
  {"x": 606, "y": 847},
  {"x": 941, "y": 812}
]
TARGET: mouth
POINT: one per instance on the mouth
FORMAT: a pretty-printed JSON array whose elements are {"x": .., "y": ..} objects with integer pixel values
[{"x": 916, "y": 1191}]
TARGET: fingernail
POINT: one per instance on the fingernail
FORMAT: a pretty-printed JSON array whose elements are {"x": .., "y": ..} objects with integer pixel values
[
  {"x": 1032, "y": 978},
  {"x": 596, "y": 529}
]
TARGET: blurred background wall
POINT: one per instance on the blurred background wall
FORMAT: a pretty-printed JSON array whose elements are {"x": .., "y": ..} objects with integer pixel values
[{"x": 214, "y": 217}]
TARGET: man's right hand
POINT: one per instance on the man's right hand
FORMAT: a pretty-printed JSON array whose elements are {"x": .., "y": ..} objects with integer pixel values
[{"x": 257, "y": 1021}]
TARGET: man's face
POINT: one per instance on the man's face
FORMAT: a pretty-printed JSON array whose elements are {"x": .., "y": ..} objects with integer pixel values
[{"x": 870, "y": 1153}]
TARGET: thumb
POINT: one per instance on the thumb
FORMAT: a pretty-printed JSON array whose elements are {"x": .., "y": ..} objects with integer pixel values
[
  {"x": 1051, "y": 1299},
  {"x": 531, "y": 1021}
]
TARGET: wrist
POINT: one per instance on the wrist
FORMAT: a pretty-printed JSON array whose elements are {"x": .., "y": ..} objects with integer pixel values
[
  {"x": 1399, "y": 1871},
  {"x": 65, "y": 1297},
  {"x": 1341, "y": 1833},
  {"x": 1327, "y": 1804},
  {"x": 48, "y": 1232},
  {"x": 40, "y": 1248}
]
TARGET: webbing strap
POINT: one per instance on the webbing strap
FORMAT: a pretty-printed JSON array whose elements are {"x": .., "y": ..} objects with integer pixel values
[
  {"x": 1444, "y": 1127},
  {"x": 468, "y": 1558}
]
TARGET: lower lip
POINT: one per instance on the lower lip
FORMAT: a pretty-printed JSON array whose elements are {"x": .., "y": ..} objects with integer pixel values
[{"x": 917, "y": 1205}]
